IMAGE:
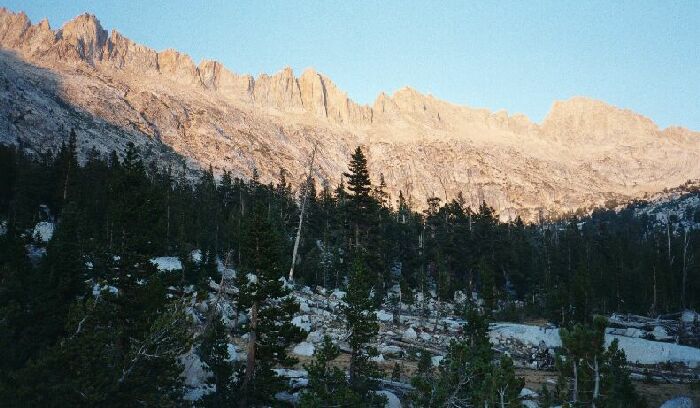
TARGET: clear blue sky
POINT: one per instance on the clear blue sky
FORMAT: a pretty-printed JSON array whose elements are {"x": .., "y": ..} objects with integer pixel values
[{"x": 519, "y": 56}]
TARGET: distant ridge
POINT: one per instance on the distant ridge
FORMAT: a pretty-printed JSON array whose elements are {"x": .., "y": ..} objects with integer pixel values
[{"x": 113, "y": 90}]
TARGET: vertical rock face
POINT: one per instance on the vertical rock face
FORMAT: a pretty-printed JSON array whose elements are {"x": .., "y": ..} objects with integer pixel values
[
  {"x": 341, "y": 109},
  {"x": 598, "y": 122},
  {"x": 177, "y": 67},
  {"x": 85, "y": 34},
  {"x": 280, "y": 91},
  {"x": 13, "y": 28},
  {"x": 216, "y": 77},
  {"x": 126, "y": 54},
  {"x": 383, "y": 105},
  {"x": 39, "y": 38},
  {"x": 322, "y": 98},
  {"x": 17, "y": 32},
  {"x": 313, "y": 93},
  {"x": 584, "y": 153}
]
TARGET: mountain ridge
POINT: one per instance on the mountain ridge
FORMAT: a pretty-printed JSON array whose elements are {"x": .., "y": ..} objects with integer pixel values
[
  {"x": 423, "y": 145},
  {"x": 86, "y": 32}
]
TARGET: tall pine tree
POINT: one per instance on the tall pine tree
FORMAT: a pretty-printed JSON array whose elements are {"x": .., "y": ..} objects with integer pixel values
[{"x": 262, "y": 291}]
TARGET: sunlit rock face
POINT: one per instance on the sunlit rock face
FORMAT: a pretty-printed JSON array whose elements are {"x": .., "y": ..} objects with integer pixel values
[{"x": 112, "y": 91}]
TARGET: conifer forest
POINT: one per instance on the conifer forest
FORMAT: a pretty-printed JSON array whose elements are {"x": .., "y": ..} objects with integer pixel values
[{"x": 118, "y": 276}]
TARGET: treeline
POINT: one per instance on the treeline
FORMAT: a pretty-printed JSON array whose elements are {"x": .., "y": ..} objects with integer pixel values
[
  {"x": 91, "y": 322},
  {"x": 566, "y": 271}
]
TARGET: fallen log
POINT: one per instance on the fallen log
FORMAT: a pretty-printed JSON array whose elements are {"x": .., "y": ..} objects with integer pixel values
[{"x": 405, "y": 344}]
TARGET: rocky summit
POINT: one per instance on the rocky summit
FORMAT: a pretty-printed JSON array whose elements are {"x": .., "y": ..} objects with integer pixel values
[{"x": 112, "y": 90}]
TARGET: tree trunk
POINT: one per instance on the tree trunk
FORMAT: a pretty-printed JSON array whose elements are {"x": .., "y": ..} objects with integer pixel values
[
  {"x": 351, "y": 369},
  {"x": 653, "y": 305},
  {"x": 575, "y": 396},
  {"x": 167, "y": 230},
  {"x": 65, "y": 184},
  {"x": 686, "y": 241},
  {"x": 399, "y": 307},
  {"x": 437, "y": 315},
  {"x": 668, "y": 236},
  {"x": 301, "y": 213},
  {"x": 596, "y": 386},
  {"x": 252, "y": 337}
]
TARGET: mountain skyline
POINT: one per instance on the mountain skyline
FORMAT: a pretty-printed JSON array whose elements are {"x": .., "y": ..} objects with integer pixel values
[
  {"x": 457, "y": 57},
  {"x": 213, "y": 68},
  {"x": 585, "y": 154}
]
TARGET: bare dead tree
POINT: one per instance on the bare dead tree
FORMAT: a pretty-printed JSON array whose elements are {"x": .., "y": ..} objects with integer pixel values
[
  {"x": 221, "y": 293},
  {"x": 252, "y": 338},
  {"x": 159, "y": 344},
  {"x": 668, "y": 238},
  {"x": 502, "y": 395},
  {"x": 307, "y": 184},
  {"x": 596, "y": 379},
  {"x": 652, "y": 312},
  {"x": 455, "y": 400},
  {"x": 687, "y": 261},
  {"x": 575, "y": 395}
]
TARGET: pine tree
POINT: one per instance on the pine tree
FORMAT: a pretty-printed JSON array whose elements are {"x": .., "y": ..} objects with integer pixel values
[
  {"x": 66, "y": 171},
  {"x": 362, "y": 325},
  {"x": 207, "y": 212},
  {"x": 64, "y": 273},
  {"x": 270, "y": 331},
  {"x": 93, "y": 367},
  {"x": 214, "y": 351},
  {"x": 616, "y": 385},
  {"x": 360, "y": 199},
  {"x": 8, "y": 176},
  {"x": 154, "y": 354},
  {"x": 545, "y": 396},
  {"x": 328, "y": 386},
  {"x": 467, "y": 375},
  {"x": 503, "y": 385},
  {"x": 133, "y": 200},
  {"x": 380, "y": 195},
  {"x": 367, "y": 219},
  {"x": 590, "y": 374},
  {"x": 21, "y": 292}
]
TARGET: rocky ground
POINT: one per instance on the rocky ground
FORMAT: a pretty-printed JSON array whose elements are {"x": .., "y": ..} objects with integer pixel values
[{"x": 661, "y": 369}]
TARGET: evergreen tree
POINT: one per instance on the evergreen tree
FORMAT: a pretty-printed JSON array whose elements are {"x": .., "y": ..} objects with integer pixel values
[
  {"x": 590, "y": 375},
  {"x": 64, "y": 275},
  {"x": 616, "y": 384},
  {"x": 425, "y": 364},
  {"x": 92, "y": 367},
  {"x": 360, "y": 200},
  {"x": 467, "y": 376},
  {"x": 66, "y": 171},
  {"x": 545, "y": 397},
  {"x": 328, "y": 386},
  {"x": 21, "y": 289},
  {"x": 270, "y": 331},
  {"x": 113, "y": 214},
  {"x": 380, "y": 195},
  {"x": 367, "y": 221},
  {"x": 362, "y": 325},
  {"x": 214, "y": 351}
]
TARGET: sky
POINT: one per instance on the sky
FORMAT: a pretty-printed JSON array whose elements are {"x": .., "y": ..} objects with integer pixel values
[{"x": 520, "y": 56}]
